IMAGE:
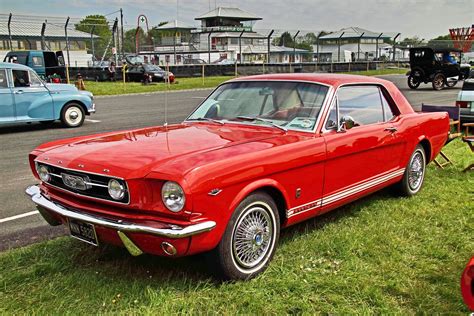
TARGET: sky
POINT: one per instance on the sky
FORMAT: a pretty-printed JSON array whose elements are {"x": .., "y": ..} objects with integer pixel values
[{"x": 423, "y": 18}]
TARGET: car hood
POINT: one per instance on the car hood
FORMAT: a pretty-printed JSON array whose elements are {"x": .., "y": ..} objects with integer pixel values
[
  {"x": 58, "y": 87},
  {"x": 135, "y": 153}
]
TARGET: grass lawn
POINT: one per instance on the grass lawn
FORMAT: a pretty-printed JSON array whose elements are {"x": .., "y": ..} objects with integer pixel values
[
  {"x": 113, "y": 88},
  {"x": 381, "y": 254}
]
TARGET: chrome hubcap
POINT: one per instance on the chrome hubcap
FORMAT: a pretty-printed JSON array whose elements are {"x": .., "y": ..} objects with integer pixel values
[
  {"x": 73, "y": 116},
  {"x": 415, "y": 171},
  {"x": 252, "y": 237}
]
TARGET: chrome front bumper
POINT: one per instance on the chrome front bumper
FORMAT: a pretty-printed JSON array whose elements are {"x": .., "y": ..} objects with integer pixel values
[{"x": 173, "y": 231}]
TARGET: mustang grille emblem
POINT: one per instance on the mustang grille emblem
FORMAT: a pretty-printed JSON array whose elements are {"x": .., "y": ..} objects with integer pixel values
[{"x": 75, "y": 182}]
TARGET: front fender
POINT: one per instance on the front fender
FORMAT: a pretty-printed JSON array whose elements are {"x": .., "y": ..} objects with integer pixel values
[
  {"x": 60, "y": 100},
  {"x": 256, "y": 185}
]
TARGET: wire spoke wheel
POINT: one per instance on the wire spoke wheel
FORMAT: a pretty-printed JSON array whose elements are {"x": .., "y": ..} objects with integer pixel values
[
  {"x": 438, "y": 81},
  {"x": 253, "y": 237},
  {"x": 416, "y": 171}
]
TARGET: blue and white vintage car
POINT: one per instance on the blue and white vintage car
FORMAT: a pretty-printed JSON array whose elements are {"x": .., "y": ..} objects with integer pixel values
[{"x": 24, "y": 97}]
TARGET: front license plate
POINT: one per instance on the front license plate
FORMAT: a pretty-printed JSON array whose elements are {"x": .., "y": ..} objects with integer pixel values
[{"x": 83, "y": 231}]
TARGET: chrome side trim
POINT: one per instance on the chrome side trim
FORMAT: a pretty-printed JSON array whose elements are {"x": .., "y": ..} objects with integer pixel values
[
  {"x": 361, "y": 187},
  {"x": 172, "y": 232},
  {"x": 297, "y": 210}
]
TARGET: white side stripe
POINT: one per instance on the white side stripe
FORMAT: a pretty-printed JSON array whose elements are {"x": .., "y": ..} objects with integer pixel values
[
  {"x": 300, "y": 209},
  {"x": 361, "y": 187}
]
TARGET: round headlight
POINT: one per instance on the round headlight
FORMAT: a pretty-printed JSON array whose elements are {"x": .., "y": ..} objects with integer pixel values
[
  {"x": 116, "y": 189},
  {"x": 173, "y": 197},
  {"x": 43, "y": 173}
]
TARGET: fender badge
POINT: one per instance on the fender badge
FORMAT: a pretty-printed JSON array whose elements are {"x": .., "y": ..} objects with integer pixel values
[{"x": 214, "y": 192}]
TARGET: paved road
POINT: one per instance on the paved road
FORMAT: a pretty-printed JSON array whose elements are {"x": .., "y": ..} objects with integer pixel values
[{"x": 114, "y": 113}]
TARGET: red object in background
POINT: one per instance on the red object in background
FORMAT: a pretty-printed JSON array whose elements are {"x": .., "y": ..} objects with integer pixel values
[
  {"x": 462, "y": 38},
  {"x": 467, "y": 285},
  {"x": 56, "y": 80}
]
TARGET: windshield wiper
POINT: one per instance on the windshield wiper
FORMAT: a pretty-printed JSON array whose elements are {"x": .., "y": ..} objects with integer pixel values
[
  {"x": 207, "y": 120},
  {"x": 253, "y": 118}
]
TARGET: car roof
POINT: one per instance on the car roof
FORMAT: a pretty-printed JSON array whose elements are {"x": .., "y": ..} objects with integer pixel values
[
  {"x": 323, "y": 78},
  {"x": 14, "y": 66}
]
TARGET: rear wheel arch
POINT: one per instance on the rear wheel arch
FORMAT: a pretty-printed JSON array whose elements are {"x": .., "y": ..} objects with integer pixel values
[{"x": 425, "y": 143}]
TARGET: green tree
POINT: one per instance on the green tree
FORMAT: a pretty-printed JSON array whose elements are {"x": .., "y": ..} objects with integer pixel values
[
  {"x": 442, "y": 41},
  {"x": 97, "y": 25},
  {"x": 130, "y": 39}
]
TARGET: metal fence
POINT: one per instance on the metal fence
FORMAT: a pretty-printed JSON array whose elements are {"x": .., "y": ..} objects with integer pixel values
[{"x": 97, "y": 40}]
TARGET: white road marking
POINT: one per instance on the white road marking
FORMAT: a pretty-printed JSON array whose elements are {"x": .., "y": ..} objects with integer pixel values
[
  {"x": 93, "y": 121},
  {"x": 12, "y": 218}
]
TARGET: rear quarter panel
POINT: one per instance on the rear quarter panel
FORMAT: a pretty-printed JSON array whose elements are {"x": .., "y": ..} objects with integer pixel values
[{"x": 430, "y": 127}]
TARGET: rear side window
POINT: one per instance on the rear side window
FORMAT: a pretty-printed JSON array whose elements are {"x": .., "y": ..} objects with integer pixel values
[
  {"x": 37, "y": 61},
  {"x": 3, "y": 79}
]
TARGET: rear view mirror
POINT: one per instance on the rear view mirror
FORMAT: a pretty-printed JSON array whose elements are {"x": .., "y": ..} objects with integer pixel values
[{"x": 266, "y": 91}]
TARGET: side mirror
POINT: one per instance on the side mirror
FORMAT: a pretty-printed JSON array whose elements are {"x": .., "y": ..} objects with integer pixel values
[{"x": 346, "y": 123}]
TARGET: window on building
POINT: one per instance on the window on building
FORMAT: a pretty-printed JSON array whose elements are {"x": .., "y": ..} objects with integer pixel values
[{"x": 234, "y": 40}]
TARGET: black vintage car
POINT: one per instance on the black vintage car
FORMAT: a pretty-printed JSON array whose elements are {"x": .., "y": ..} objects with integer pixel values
[
  {"x": 148, "y": 72},
  {"x": 437, "y": 66}
]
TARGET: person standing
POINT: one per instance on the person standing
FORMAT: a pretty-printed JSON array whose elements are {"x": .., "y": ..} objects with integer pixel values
[{"x": 112, "y": 71}]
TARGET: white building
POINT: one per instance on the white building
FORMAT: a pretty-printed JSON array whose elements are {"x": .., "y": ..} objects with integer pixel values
[
  {"x": 27, "y": 36},
  {"x": 352, "y": 44}
]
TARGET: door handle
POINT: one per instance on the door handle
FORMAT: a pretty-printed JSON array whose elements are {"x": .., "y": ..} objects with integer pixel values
[
  {"x": 391, "y": 129},
  {"x": 18, "y": 91}
]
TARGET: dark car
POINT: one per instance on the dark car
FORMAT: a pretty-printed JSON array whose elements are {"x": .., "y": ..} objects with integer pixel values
[
  {"x": 148, "y": 72},
  {"x": 437, "y": 66}
]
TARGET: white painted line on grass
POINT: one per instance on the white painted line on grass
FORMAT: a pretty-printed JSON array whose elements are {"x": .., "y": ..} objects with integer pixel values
[
  {"x": 93, "y": 121},
  {"x": 12, "y": 218}
]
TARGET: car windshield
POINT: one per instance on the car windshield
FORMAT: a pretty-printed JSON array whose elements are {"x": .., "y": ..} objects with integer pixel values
[
  {"x": 152, "y": 68},
  {"x": 285, "y": 105}
]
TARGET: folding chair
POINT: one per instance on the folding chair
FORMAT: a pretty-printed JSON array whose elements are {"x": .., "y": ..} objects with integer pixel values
[
  {"x": 469, "y": 139},
  {"x": 455, "y": 128}
]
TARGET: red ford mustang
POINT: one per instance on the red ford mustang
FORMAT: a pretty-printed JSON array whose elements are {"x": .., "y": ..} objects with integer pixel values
[{"x": 259, "y": 154}]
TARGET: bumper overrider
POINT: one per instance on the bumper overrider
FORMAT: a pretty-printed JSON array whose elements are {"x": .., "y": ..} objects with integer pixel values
[{"x": 46, "y": 207}]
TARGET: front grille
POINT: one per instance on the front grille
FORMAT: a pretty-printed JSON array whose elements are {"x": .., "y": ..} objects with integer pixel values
[{"x": 96, "y": 186}]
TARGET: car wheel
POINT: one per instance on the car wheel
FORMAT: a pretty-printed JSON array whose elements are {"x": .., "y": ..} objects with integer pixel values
[
  {"x": 414, "y": 173},
  {"x": 413, "y": 82},
  {"x": 438, "y": 81},
  {"x": 72, "y": 115},
  {"x": 250, "y": 239}
]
